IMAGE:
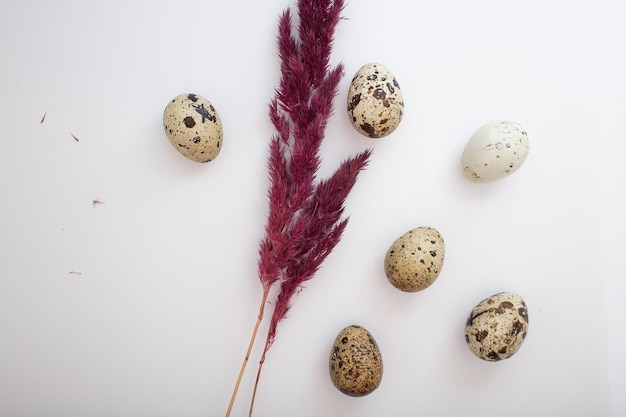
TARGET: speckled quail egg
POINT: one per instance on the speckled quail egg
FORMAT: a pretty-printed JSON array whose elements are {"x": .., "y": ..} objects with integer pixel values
[
  {"x": 194, "y": 127},
  {"x": 356, "y": 365},
  {"x": 497, "y": 326},
  {"x": 414, "y": 260},
  {"x": 375, "y": 103},
  {"x": 495, "y": 150}
]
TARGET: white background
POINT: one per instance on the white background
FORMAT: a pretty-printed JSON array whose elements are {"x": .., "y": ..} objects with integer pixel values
[{"x": 158, "y": 320}]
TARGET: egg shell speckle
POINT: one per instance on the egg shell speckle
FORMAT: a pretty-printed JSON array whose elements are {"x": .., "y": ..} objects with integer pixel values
[
  {"x": 375, "y": 102},
  {"x": 355, "y": 364},
  {"x": 414, "y": 261},
  {"x": 496, "y": 150},
  {"x": 194, "y": 127},
  {"x": 497, "y": 326}
]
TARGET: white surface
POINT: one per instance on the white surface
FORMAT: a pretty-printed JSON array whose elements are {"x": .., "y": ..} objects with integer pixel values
[{"x": 158, "y": 322}]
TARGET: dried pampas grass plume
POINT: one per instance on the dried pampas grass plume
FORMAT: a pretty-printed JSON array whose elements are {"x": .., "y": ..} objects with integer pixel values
[{"x": 305, "y": 221}]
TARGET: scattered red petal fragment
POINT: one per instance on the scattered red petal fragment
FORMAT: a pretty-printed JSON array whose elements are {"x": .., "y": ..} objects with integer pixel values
[
  {"x": 96, "y": 202},
  {"x": 75, "y": 138},
  {"x": 44, "y": 117}
]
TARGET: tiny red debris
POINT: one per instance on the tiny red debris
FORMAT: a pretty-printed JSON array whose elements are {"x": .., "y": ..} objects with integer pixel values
[
  {"x": 44, "y": 117},
  {"x": 96, "y": 202}
]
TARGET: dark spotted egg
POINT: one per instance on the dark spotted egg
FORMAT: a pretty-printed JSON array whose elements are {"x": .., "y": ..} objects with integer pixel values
[
  {"x": 375, "y": 103},
  {"x": 355, "y": 364},
  {"x": 413, "y": 262},
  {"x": 497, "y": 326},
  {"x": 194, "y": 127}
]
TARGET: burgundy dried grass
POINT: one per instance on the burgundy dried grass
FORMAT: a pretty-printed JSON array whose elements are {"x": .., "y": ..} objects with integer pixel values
[{"x": 305, "y": 220}]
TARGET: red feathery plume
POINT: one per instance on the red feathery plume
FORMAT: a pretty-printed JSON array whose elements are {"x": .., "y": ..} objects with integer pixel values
[{"x": 304, "y": 222}]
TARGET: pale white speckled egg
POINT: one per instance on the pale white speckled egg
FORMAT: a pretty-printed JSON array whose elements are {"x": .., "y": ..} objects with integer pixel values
[
  {"x": 355, "y": 363},
  {"x": 496, "y": 150},
  {"x": 497, "y": 326},
  {"x": 194, "y": 127},
  {"x": 414, "y": 261},
  {"x": 375, "y": 103}
]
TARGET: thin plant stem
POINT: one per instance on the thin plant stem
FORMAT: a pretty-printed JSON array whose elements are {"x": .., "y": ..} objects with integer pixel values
[
  {"x": 266, "y": 292},
  {"x": 258, "y": 376}
]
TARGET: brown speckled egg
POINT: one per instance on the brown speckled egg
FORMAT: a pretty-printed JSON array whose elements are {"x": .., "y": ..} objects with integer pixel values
[
  {"x": 414, "y": 260},
  {"x": 356, "y": 365},
  {"x": 497, "y": 326},
  {"x": 375, "y": 103},
  {"x": 193, "y": 126}
]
